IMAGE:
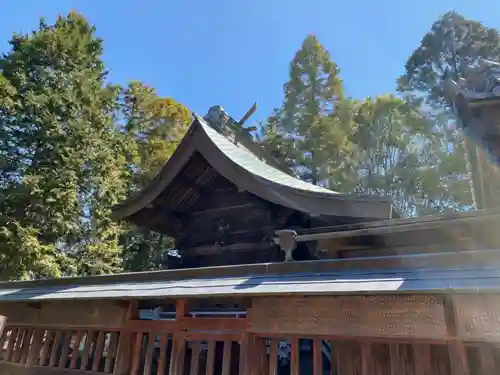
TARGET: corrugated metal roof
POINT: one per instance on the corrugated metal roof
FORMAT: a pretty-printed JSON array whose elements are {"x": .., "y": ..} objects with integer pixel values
[
  {"x": 332, "y": 283},
  {"x": 249, "y": 161}
]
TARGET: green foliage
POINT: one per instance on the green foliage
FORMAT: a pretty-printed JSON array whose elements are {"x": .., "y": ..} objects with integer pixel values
[
  {"x": 306, "y": 131},
  {"x": 451, "y": 45},
  {"x": 154, "y": 127},
  {"x": 60, "y": 170},
  {"x": 71, "y": 146},
  {"x": 446, "y": 51}
]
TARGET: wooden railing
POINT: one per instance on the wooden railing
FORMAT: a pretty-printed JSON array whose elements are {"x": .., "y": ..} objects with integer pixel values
[
  {"x": 59, "y": 348},
  {"x": 232, "y": 346}
]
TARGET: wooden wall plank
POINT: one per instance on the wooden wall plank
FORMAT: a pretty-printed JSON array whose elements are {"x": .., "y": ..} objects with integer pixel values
[
  {"x": 226, "y": 358},
  {"x": 162, "y": 361},
  {"x": 65, "y": 342},
  {"x": 318, "y": 357},
  {"x": 81, "y": 314},
  {"x": 11, "y": 344},
  {"x": 26, "y": 345},
  {"x": 112, "y": 352},
  {"x": 99, "y": 347},
  {"x": 136, "y": 353},
  {"x": 55, "y": 346},
  {"x": 48, "y": 340},
  {"x": 422, "y": 359},
  {"x": 487, "y": 359},
  {"x": 89, "y": 339},
  {"x": 74, "y": 356},
  {"x": 148, "y": 363},
  {"x": 367, "y": 360},
  {"x": 195, "y": 358},
  {"x": 19, "y": 313},
  {"x": 273, "y": 356},
  {"x": 416, "y": 316},
  {"x": 459, "y": 363},
  {"x": 477, "y": 317},
  {"x": 19, "y": 343},
  {"x": 395, "y": 359},
  {"x": 210, "y": 358},
  {"x": 36, "y": 347},
  {"x": 294, "y": 356}
]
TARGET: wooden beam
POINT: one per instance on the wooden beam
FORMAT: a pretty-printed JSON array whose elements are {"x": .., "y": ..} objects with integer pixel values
[
  {"x": 459, "y": 363},
  {"x": 422, "y": 359},
  {"x": 213, "y": 324}
]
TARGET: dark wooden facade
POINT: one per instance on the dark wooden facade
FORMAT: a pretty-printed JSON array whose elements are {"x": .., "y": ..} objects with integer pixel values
[{"x": 222, "y": 198}]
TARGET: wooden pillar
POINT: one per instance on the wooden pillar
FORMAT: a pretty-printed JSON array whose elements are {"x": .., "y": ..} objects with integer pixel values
[
  {"x": 459, "y": 363},
  {"x": 486, "y": 359},
  {"x": 178, "y": 342},
  {"x": 395, "y": 359},
  {"x": 246, "y": 348},
  {"x": 124, "y": 350},
  {"x": 422, "y": 359},
  {"x": 318, "y": 357},
  {"x": 367, "y": 360}
]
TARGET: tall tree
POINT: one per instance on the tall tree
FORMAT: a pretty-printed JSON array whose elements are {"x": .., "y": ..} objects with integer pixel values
[
  {"x": 153, "y": 126},
  {"x": 60, "y": 169},
  {"x": 446, "y": 51},
  {"x": 306, "y": 127}
]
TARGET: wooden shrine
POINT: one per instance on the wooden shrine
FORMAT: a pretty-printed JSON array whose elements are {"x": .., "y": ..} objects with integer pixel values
[{"x": 274, "y": 276}]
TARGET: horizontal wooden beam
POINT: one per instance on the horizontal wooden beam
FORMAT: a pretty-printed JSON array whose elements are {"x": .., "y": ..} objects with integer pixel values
[
  {"x": 167, "y": 326},
  {"x": 214, "y": 324},
  {"x": 187, "y": 324}
]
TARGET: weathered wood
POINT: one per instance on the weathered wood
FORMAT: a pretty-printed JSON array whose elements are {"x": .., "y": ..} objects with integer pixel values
[
  {"x": 422, "y": 359},
  {"x": 11, "y": 344},
  {"x": 19, "y": 313},
  {"x": 477, "y": 317},
  {"x": 150, "y": 326},
  {"x": 89, "y": 338},
  {"x": 273, "y": 357},
  {"x": 55, "y": 346},
  {"x": 48, "y": 340},
  {"x": 74, "y": 356},
  {"x": 367, "y": 360},
  {"x": 99, "y": 347},
  {"x": 3, "y": 324},
  {"x": 136, "y": 353},
  {"x": 317, "y": 357},
  {"x": 112, "y": 352},
  {"x": 226, "y": 358},
  {"x": 294, "y": 356},
  {"x": 245, "y": 347},
  {"x": 80, "y": 314},
  {"x": 459, "y": 363},
  {"x": 210, "y": 358},
  {"x": 195, "y": 358},
  {"x": 124, "y": 354},
  {"x": 19, "y": 343},
  {"x": 65, "y": 349},
  {"x": 395, "y": 359},
  {"x": 486, "y": 359},
  {"x": 10, "y": 368},
  {"x": 162, "y": 361},
  {"x": 417, "y": 316},
  {"x": 149, "y": 353},
  {"x": 26, "y": 345}
]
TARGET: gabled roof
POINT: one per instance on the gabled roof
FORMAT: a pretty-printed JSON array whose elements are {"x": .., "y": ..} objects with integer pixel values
[{"x": 257, "y": 174}]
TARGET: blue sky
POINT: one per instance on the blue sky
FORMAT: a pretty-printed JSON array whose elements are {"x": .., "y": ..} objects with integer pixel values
[{"x": 233, "y": 53}]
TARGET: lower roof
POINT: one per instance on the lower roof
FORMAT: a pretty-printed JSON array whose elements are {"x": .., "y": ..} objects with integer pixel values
[{"x": 465, "y": 271}]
